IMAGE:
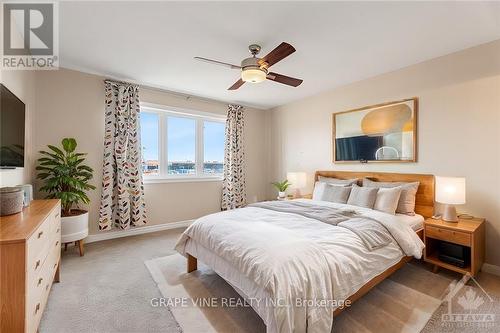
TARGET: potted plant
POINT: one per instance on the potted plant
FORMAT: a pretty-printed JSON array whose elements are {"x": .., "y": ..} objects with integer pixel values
[
  {"x": 66, "y": 177},
  {"x": 281, "y": 187}
]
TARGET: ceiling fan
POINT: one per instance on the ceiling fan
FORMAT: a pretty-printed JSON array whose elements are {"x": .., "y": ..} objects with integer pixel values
[{"x": 255, "y": 70}]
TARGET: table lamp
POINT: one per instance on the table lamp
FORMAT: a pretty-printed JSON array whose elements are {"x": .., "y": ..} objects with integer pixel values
[
  {"x": 297, "y": 181},
  {"x": 450, "y": 191}
]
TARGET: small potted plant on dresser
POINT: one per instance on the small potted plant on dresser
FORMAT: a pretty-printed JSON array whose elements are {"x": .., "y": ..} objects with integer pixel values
[
  {"x": 66, "y": 177},
  {"x": 281, "y": 187}
]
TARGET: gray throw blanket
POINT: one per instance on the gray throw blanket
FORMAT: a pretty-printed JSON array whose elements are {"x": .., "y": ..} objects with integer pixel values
[{"x": 373, "y": 234}]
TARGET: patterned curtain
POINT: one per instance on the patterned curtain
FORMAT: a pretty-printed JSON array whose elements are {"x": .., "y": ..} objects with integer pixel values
[
  {"x": 233, "y": 185},
  {"x": 122, "y": 197}
]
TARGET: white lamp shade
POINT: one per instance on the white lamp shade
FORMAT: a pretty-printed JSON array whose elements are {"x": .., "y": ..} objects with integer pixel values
[
  {"x": 297, "y": 179},
  {"x": 450, "y": 190}
]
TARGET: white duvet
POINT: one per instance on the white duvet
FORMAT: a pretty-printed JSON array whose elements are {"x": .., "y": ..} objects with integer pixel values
[{"x": 297, "y": 259}]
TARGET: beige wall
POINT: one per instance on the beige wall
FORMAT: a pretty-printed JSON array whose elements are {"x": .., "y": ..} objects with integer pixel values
[
  {"x": 71, "y": 104},
  {"x": 22, "y": 84},
  {"x": 458, "y": 134}
]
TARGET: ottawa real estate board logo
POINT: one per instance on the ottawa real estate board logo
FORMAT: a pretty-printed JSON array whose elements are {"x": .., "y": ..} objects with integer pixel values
[{"x": 30, "y": 39}]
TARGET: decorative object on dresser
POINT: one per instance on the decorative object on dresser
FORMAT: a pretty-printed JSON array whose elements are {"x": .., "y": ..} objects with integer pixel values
[
  {"x": 281, "y": 187},
  {"x": 30, "y": 249},
  {"x": 379, "y": 133},
  {"x": 464, "y": 244},
  {"x": 28, "y": 194},
  {"x": 11, "y": 200},
  {"x": 450, "y": 191},
  {"x": 54, "y": 168},
  {"x": 298, "y": 180}
]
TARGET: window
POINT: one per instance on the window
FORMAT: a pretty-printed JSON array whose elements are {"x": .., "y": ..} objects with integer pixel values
[{"x": 179, "y": 145}]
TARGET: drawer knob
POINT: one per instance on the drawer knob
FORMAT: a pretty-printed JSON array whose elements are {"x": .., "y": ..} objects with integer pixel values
[
  {"x": 55, "y": 265},
  {"x": 37, "y": 308},
  {"x": 57, "y": 243},
  {"x": 57, "y": 231},
  {"x": 37, "y": 264},
  {"x": 40, "y": 281},
  {"x": 57, "y": 215},
  {"x": 40, "y": 234}
]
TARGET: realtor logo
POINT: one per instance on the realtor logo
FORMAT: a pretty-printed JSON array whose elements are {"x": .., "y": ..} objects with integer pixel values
[
  {"x": 30, "y": 39},
  {"x": 468, "y": 306}
]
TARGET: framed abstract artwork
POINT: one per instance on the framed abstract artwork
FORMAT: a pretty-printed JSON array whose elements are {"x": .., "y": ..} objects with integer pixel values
[{"x": 379, "y": 133}]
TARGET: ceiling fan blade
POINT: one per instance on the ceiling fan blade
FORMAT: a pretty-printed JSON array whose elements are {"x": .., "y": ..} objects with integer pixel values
[
  {"x": 210, "y": 61},
  {"x": 290, "y": 81},
  {"x": 279, "y": 53},
  {"x": 236, "y": 85}
]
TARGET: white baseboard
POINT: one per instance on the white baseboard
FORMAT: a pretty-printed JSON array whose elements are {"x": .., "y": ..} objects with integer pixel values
[
  {"x": 136, "y": 231},
  {"x": 492, "y": 269}
]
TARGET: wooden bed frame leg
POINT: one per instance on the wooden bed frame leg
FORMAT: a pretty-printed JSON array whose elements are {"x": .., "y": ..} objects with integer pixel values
[{"x": 192, "y": 263}]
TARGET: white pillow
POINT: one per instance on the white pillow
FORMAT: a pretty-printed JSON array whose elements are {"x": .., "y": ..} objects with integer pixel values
[
  {"x": 387, "y": 199},
  {"x": 332, "y": 193},
  {"x": 407, "y": 199},
  {"x": 319, "y": 190},
  {"x": 362, "y": 196},
  {"x": 336, "y": 193}
]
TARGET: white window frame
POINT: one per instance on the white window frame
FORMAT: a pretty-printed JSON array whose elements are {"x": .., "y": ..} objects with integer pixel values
[{"x": 163, "y": 113}]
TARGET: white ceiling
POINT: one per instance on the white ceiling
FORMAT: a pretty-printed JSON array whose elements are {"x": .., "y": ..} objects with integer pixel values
[{"x": 337, "y": 42}]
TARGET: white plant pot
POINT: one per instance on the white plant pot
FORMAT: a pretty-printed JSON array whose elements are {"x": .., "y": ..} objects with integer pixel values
[
  {"x": 281, "y": 195},
  {"x": 74, "y": 228}
]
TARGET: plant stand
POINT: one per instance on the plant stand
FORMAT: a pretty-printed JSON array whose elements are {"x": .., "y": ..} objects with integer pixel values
[
  {"x": 75, "y": 229},
  {"x": 78, "y": 243}
]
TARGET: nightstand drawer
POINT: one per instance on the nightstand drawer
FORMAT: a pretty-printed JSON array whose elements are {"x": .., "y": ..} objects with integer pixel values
[{"x": 451, "y": 236}]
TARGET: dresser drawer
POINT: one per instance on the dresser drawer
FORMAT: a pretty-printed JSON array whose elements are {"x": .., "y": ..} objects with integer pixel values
[
  {"x": 451, "y": 236},
  {"x": 37, "y": 247},
  {"x": 53, "y": 257},
  {"x": 39, "y": 288},
  {"x": 35, "y": 301},
  {"x": 36, "y": 282},
  {"x": 55, "y": 221}
]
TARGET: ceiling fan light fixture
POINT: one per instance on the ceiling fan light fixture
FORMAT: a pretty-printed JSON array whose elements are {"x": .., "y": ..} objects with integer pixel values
[{"x": 253, "y": 75}]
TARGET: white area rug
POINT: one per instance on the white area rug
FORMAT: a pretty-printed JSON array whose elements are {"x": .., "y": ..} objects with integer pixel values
[{"x": 402, "y": 303}]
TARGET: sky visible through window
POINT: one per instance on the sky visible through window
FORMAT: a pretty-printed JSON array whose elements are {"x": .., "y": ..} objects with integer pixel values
[
  {"x": 149, "y": 136},
  {"x": 213, "y": 141},
  {"x": 181, "y": 134}
]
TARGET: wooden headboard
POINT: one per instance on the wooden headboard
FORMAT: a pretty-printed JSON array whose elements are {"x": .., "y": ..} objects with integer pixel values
[{"x": 424, "y": 202}]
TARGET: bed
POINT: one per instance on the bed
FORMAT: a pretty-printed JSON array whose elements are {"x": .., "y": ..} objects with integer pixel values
[{"x": 282, "y": 262}]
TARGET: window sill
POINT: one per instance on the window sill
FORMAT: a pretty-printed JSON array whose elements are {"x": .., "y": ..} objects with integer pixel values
[{"x": 152, "y": 180}]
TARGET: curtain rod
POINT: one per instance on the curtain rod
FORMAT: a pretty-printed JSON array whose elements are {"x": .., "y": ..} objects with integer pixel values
[{"x": 179, "y": 94}]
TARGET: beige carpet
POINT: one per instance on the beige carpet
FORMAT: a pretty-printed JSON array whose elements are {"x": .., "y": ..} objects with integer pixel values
[
  {"x": 109, "y": 289},
  {"x": 402, "y": 303}
]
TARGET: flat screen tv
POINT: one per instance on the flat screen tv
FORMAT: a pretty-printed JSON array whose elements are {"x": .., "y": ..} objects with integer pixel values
[
  {"x": 12, "y": 124},
  {"x": 357, "y": 148}
]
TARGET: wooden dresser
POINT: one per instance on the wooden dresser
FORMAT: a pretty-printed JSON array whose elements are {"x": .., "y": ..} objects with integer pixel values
[{"x": 30, "y": 252}]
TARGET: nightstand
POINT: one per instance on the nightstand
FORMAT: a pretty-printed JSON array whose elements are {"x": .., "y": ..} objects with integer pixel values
[
  {"x": 465, "y": 232},
  {"x": 304, "y": 196}
]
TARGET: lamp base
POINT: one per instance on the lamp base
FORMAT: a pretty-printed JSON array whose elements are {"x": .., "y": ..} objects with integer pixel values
[
  {"x": 297, "y": 194},
  {"x": 450, "y": 214}
]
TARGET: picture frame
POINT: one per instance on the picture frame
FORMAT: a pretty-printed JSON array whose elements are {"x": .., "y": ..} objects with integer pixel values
[{"x": 380, "y": 133}]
